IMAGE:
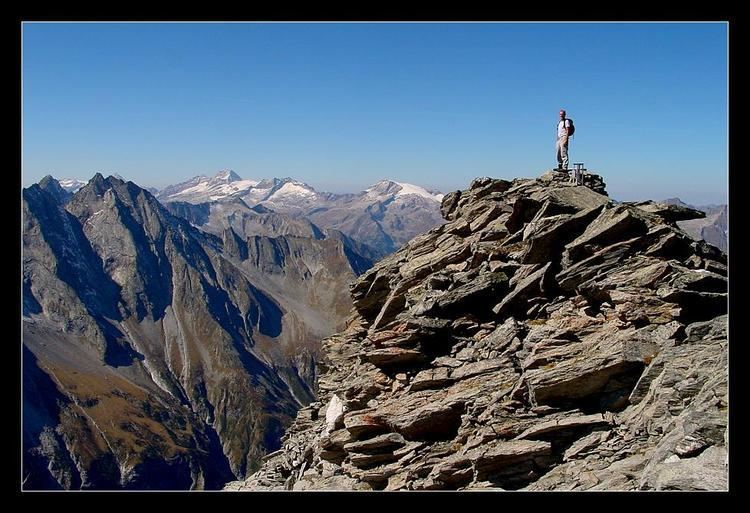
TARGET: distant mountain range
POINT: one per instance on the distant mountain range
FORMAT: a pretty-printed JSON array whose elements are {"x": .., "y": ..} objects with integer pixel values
[
  {"x": 200, "y": 189},
  {"x": 382, "y": 217},
  {"x": 280, "y": 191},
  {"x": 713, "y": 228}
]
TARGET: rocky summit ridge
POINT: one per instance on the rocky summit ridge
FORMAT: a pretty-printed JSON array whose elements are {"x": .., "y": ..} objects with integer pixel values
[{"x": 544, "y": 338}]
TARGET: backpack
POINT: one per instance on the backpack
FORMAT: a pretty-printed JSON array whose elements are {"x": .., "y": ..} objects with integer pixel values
[{"x": 571, "y": 128}]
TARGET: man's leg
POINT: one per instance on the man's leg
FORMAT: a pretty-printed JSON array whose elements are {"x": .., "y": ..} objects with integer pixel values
[
  {"x": 558, "y": 151},
  {"x": 564, "y": 154}
]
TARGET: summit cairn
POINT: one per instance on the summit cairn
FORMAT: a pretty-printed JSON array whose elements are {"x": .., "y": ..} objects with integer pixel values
[{"x": 591, "y": 180}]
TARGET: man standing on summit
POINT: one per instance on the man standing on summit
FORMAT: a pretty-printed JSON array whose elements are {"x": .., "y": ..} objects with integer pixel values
[{"x": 564, "y": 131}]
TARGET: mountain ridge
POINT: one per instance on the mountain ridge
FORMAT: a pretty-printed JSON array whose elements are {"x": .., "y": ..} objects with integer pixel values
[
  {"x": 184, "y": 191},
  {"x": 177, "y": 355},
  {"x": 361, "y": 215},
  {"x": 713, "y": 228},
  {"x": 383, "y": 216}
]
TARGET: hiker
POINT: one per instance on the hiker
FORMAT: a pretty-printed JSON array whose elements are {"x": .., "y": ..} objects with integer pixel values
[{"x": 564, "y": 131}]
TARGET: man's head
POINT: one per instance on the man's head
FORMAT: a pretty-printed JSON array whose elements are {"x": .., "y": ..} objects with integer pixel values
[{"x": 562, "y": 114}]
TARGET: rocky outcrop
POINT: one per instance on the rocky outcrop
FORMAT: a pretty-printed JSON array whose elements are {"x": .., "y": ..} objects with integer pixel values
[
  {"x": 54, "y": 189},
  {"x": 544, "y": 338}
]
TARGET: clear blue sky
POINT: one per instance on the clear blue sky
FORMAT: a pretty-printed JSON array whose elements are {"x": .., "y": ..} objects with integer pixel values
[{"x": 341, "y": 106}]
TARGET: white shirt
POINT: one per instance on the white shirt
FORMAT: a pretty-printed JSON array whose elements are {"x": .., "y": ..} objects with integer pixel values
[{"x": 561, "y": 128}]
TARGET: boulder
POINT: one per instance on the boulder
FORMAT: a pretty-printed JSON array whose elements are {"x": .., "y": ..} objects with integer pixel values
[
  {"x": 393, "y": 356},
  {"x": 473, "y": 296},
  {"x": 381, "y": 443},
  {"x": 544, "y": 244},
  {"x": 361, "y": 425},
  {"x": 571, "y": 199},
  {"x": 515, "y": 302},
  {"x": 431, "y": 378},
  {"x": 611, "y": 226},
  {"x": 565, "y": 424},
  {"x": 670, "y": 213},
  {"x": 449, "y": 204},
  {"x": 334, "y": 414}
]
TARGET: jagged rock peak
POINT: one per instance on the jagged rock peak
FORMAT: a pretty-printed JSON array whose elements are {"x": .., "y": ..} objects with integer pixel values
[
  {"x": 48, "y": 179},
  {"x": 228, "y": 175},
  {"x": 540, "y": 339},
  {"x": 53, "y": 187}
]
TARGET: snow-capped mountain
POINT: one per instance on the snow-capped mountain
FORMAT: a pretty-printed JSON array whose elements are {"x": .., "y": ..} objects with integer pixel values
[
  {"x": 386, "y": 188},
  {"x": 203, "y": 188},
  {"x": 287, "y": 193},
  {"x": 71, "y": 184},
  {"x": 383, "y": 216}
]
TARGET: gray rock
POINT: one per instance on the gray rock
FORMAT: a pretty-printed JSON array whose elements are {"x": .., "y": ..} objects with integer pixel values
[
  {"x": 572, "y": 199},
  {"x": 708, "y": 471},
  {"x": 449, "y": 204},
  {"x": 613, "y": 225},
  {"x": 361, "y": 425},
  {"x": 566, "y": 423},
  {"x": 431, "y": 378},
  {"x": 671, "y": 213},
  {"x": 473, "y": 296},
  {"x": 546, "y": 242},
  {"x": 387, "y": 441},
  {"x": 515, "y": 302},
  {"x": 392, "y": 356}
]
